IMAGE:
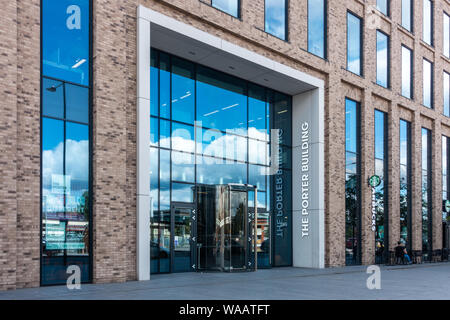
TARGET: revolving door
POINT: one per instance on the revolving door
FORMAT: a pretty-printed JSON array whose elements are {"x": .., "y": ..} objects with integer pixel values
[{"x": 226, "y": 228}]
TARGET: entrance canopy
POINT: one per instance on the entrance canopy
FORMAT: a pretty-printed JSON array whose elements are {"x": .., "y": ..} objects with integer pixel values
[{"x": 165, "y": 33}]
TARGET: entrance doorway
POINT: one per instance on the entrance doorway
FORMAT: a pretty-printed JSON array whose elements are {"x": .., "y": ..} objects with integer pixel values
[
  {"x": 183, "y": 236},
  {"x": 226, "y": 227}
]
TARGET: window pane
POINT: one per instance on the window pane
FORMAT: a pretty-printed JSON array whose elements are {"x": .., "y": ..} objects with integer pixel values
[
  {"x": 77, "y": 170},
  {"x": 281, "y": 108},
  {"x": 221, "y": 101},
  {"x": 154, "y": 177},
  {"x": 183, "y": 91},
  {"x": 446, "y": 35},
  {"x": 382, "y": 6},
  {"x": 183, "y": 137},
  {"x": 77, "y": 103},
  {"x": 379, "y": 134},
  {"x": 407, "y": 14},
  {"x": 350, "y": 126},
  {"x": 257, "y": 152},
  {"x": 164, "y": 179},
  {"x": 182, "y": 192},
  {"x": 257, "y": 113},
  {"x": 353, "y": 44},
  {"x": 218, "y": 171},
  {"x": 164, "y": 133},
  {"x": 183, "y": 167},
  {"x": 52, "y": 98},
  {"x": 427, "y": 84},
  {"x": 257, "y": 176},
  {"x": 427, "y": 20},
  {"x": 406, "y": 72},
  {"x": 446, "y": 94},
  {"x": 154, "y": 84},
  {"x": 382, "y": 59},
  {"x": 65, "y": 40},
  {"x": 316, "y": 27},
  {"x": 275, "y": 18},
  {"x": 228, "y": 6},
  {"x": 164, "y": 85},
  {"x": 53, "y": 183}
]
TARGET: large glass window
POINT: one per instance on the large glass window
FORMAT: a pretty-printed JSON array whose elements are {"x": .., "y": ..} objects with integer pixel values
[
  {"x": 215, "y": 129},
  {"x": 382, "y": 59},
  {"x": 383, "y": 6},
  {"x": 65, "y": 41},
  {"x": 407, "y": 66},
  {"x": 352, "y": 184},
  {"x": 65, "y": 140},
  {"x": 446, "y": 93},
  {"x": 446, "y": 35},
  {"x": 407, "y": 14},
  {"x": 445, "y": 176},
  {"x": 275, "y": 21},
  {"x": 381, "y": 192},
  {"x": 354, "y": 45},
  {"x": 426, "y": 195},
  {"x": 229, "y": 6},
  {"x": 317, "y": 37},
  {"x": 405, "y": 183},
  {"x": 428, "y": 22},
  {"x": 427, "y": 83}
]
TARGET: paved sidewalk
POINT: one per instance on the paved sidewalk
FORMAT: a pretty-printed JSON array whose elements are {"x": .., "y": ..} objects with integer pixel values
[{"x": 426, "y": 281}]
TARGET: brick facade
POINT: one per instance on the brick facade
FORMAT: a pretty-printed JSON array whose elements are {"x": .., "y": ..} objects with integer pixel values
[{"x": 114, "y": 121}]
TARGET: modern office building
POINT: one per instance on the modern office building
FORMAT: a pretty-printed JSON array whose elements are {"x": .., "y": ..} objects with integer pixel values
[{"x": 141, "y": 137}]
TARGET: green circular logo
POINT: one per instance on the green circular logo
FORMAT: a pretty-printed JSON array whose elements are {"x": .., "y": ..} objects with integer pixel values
[
  {"x": 374, "y": 181},
  {"x": 447, "y": 206}
]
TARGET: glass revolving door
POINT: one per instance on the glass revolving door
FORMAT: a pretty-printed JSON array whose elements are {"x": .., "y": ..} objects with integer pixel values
[{"x": 225, "y": 228}]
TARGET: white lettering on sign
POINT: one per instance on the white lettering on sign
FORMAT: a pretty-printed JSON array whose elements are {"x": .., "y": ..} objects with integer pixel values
[
  {"x": 374, "y": 208},
  {"x": 305, "y": 179},
  {"x": 281, "y": 223},
  {"x": 74, "y": 20}
]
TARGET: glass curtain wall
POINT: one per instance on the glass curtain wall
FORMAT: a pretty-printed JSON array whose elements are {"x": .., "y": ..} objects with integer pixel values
[
  {"x": 405, "y": 183},
  {"x": 209, "y": 128},
  {"x": 381, "y": 192},
  {"x": 317, "y": 27},
  {"x": 352, "y": 183},
  {"x": 426, "y": 195},
  {"x": 65, "y": 140}
]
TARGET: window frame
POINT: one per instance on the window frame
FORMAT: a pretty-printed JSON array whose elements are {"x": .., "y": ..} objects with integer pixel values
[
  {"x": 431, "y": 83},
  {"x": 239, "y": 10},
  {"x": 411, "y": 80},
  {"x": 325, "y": 30},
  {"x": 286, "y": 22},
  {"x": 388, "y": 62},
  {"x": 411, "y": 16},
  {"x": 431, "y": 22},
  {"x": 361, "y": 41}
]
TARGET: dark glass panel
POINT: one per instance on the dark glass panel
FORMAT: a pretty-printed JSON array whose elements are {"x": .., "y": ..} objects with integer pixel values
[
  {"x": 154, "y": 83},
  {"x": 257, "y": 113},
  {"x": 221, "y": 101},
  {"x": 52, "y": 98},
  {"x": 183, "y": 91},
  {"x": 77, "y": 103},
  {"x": 164, "y": 85}
]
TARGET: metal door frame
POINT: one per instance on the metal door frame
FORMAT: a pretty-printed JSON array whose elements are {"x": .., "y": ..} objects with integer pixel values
[{"x": 193, "y": 238}]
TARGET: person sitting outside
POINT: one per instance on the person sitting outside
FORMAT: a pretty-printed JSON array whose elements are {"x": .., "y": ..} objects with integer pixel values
[{"x": 406, "y": 255}]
